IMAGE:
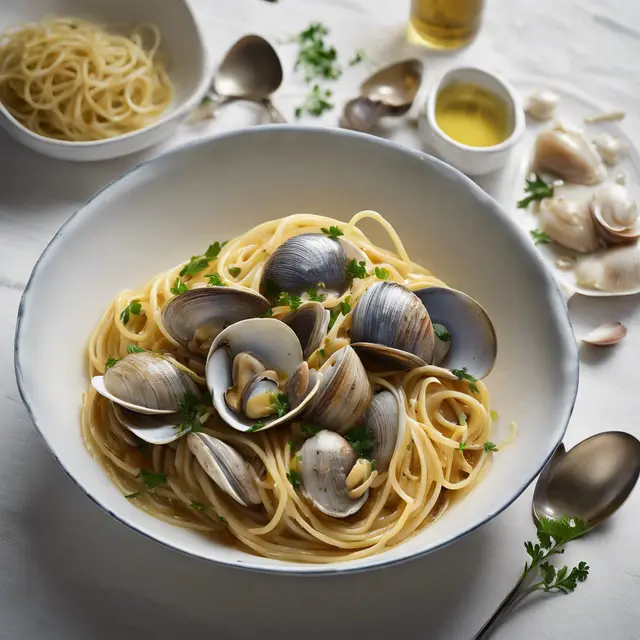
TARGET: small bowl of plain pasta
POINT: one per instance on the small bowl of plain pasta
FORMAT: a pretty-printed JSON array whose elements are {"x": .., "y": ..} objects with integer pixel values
[
  {"x": 293, "y": 382},
  {"x": 97, "y": 80}
]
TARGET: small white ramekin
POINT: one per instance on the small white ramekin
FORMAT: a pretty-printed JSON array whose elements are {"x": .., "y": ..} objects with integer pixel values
[{"x": 473, "y": 161}]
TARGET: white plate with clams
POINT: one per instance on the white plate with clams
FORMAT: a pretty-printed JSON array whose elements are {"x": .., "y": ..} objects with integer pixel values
[{"x": 587, "y": 229}]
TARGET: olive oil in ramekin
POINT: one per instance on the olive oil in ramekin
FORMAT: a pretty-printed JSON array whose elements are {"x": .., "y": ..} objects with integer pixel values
[{"x": 472, "y": 115}]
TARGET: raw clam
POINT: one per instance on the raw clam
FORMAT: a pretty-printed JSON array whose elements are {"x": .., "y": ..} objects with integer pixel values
[
  {"x": 568, "y": 154},
  {"x": 569, "y": 223},
  {"x": 310, "y": 323},
  {"x": 326, "y": 460},
  {"x": 614, "y": 271},
  {"x": 391, "y": 329},
  {"x": 272, "y": 343},
  {"x": 344, "y": 393},
  {"x": 616, "y": 213},
  {"x": 158, "y": 429},
  {"x": 257, "y": 398},
  {"x": 193, "y": 319},
  {"x": 541, "y": 104},
  {"x": 245, "y": 368},
  {"x": 382, "y": 420},
  {"x": 472, "y": 337},
  {"x": 226, "y": 467},
  {"x": 146, "y": 383},
  {"x": 610, "y": 148}
]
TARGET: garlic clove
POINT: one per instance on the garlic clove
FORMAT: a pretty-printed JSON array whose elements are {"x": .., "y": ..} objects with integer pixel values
[
  {"x": 606, "y": 334},
  {"x": 610, "y": 148},
  {"x": 541, "y": 104}
]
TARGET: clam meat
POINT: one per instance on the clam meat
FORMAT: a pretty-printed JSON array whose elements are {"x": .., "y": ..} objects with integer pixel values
[
  {"x": 616, "y": 214},
  {"x": 614, "y": 271},
  {"x": 569, "y": 223}
]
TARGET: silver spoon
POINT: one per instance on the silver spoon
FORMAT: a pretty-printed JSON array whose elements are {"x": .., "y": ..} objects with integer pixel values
[
  {"x": 388, "y": 92},
  {"x": 590, "y": 482},
  {"x": 251, "y": 70}
]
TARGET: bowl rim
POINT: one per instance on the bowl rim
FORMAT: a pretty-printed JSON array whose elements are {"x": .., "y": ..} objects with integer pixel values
[
  {"x": 519, "y": 119},
  {"x": 188, "y": 104},
  {"x": 375, "y": 561}
]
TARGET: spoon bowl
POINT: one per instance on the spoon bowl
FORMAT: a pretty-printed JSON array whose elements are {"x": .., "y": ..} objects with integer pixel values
[
  {"x": 395, "y": 86},
  {"x": 591, "y": 481}
]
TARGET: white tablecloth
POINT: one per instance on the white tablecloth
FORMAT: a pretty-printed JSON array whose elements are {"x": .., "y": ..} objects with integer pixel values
[{"x": 67, "y": 570}]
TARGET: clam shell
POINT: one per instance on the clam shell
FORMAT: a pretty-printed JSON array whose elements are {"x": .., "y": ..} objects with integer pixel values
[
  {"x": 614, "y": 271},
  {"x": 158, "y": 429},
  {"x": 226, "y": 467},
  {"x": 325, "y": 462},
  {"x": 570, "y": 224},
  {"x": 145, "y": 383},
  {"x": 378, "y": 358},
  {"x": 263, "y": 383},
  {"x": 344, "y": 393},
  {"x": 616, "y": 213},
  {"x": 382, "y": 420},
  {"x": 199, "y": 315},
  {"x": 310, "y": 323}
]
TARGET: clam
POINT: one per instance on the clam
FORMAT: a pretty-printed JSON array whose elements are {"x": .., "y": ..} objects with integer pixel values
[
  {"x": 158, "y": 429},
  {"x": 344, "y": 393},
  {"x": 610, "y": 148},
  {"x": 310, "y": 323},
  {"x": 616, "y": 213},
  {"x": 569, "y": 223},
  {"x": 145, "y": 383},
  {"x": 194, "y": 319},
  {"x": 226, "y": 467},
  {"x": 326, "y": 460},
  {"x": 472, "y": 337},
  {"x": 382, "y": 421},
  {"x": 391, "y": 329},
  {"x": 302, "y": 381},
  {"x": 257, "y": 398},
  {"x": 614, "y": 271},
  {"x": 276, "y": 347},
  {"x": 568, "y": 154},
  {"x": 309, "y": 260},
  {"x": 541, "y": 104},
  {"x": 245, "y": 368},
  {"x": 443, "y": 343}
]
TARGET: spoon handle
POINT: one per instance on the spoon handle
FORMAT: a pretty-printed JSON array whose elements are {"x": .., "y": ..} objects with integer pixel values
[
  {"x": 274, "y": 114},
  {"x": 505, "y": 605}
]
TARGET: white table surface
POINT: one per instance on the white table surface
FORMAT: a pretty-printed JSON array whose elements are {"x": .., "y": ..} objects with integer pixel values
[{"x": 67, "y": 570}]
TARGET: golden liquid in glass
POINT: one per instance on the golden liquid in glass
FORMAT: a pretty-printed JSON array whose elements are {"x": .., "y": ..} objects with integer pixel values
[{"x": 445, "y": 24}]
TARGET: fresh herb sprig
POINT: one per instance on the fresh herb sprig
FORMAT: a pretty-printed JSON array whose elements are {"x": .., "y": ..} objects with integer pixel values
[
  {"x": 537, "y": 189},
  {"x": 441, "y": 332},
  {"x": 315, "y": 58},
  {"x": 343, "y": 308},
  {"x": 333, "y": 232},
  {"x": 110, "y": 362},
  {"x": 281, "y": 403},
  {"x": 357, "y": 269},
  {"x": 133, "y": 308},
  {"x": 179, "y": 287},
  {"x": 381, "y": 273},
  {"x": 289, "y": 300},
  {"x": 490, "y": 446},
  {"x": 190, "y": 413},
  {"x": 539, "y": 237},
  {"x": 361, "y": 440},
  {"x": 357, "y": 58},
  {"x": 316, "y": 102},
  {"x": 294, "y": 478},
  {"x": 199, "y": 263},
  {"x": 134, "y": 348},
  {"x": 215, "y": 280},
  {"x": 462, "y": 374},
  {"x": 314, "y": 296}
]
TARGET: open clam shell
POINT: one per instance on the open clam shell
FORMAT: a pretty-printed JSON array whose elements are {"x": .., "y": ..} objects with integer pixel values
[
  {"x": 194, "y": 319},
  {"x": 382, "y": 420},
  {"x": 226, "y": 467},
  {"x": 310, "y": 323},
  {"x": 326, "y": 460},
  {"x": 344, "y": 393},
  {"x": 473, "y": 343},
  {"x": 616, "y": 214},
  {"x": 158, "y": 429},
  {"x": 270, "y": 341},
  {"x": 145, "y": 383}
]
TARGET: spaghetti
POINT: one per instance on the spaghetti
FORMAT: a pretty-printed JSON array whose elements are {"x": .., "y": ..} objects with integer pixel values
[
  {"x": 440, "y": 451},
  {"x": 69, "y": 79}
]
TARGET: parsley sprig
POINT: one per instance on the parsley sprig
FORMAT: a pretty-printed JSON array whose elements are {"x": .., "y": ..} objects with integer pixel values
[
  {"x": 462, "y": 374},
  {"x": 179, "y": 287},
  {"x": 333, "y": 232},
  {"x": 316, "y": 102},
  {"x": 134, "y": 348},
  {"x": 343, "y": 308},
  {"x": 215, "y": 280},
  {"x": 110, "y": 362},
  {"x": 281, "y": 403},
  {"x": 357, "y": 58},
  {"x": 289, "y": 300},
  {"x": 199, "y": 263},
  {"x": 357, "y": 269},
  {"x": 314, "y": 296},
  {"x": 539, "y": 237},
  {"x": 315, "y": 58},
  {"x": 361, "y": 440},
  {"x": 190, "y": 413},
  {"x": 382, "y": 273},
  {"x": 537, "y": 189},
  {"x": 294, "y": 478},
  {"x": 134, "y": 307},
  {"x": 441, "y": 332}
]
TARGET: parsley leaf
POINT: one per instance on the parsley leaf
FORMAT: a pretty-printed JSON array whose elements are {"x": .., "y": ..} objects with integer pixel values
[
  {"x": 222, "y": 519},
  {"x": 294, "y": 478},
  {"x": 537, "y": 189},
  {"x": 234, "y": 271},
  {"x": 358, "y": 57},
  {"x": 539, "y": 237},
  {"x": 343, "y": 308},
  {"x": 315, "y": 58},
  {"x": 215, "y": 280},
  {"x": 151, "y": 479},
  {"x": 190, "y": 413},
  {"x": 198, "y": 506},
  {"x": 361, "y": 439},
  {"x": 333, "y": 232},
  {"x": 134, "y": 348},
  {"x": 441, "y": 332},
  {"x": 314, "y": 296},
  {"x": 309, "y": 429},
  {"x": 316, "y": 102},
  {"x": 198, "y": 263},
  {"x": 261, "y": 424},
  {"x": 110, "y": 362},
  {"x": 134, "y": 307},
  {"x": 321, "y": 352},
  {"x": 489, "y": 446},
  {"x": 462, "y": 446},
  {"x": 281, "y": 403},
  {"x": 289, "y": 300},
  {"x": 381, "y": 273},
  {"x": 357, "y": 269},
  {"x": 462, "y": 374},
  {"x": 179, "y": 287},
  {"x": 268, "y": 313}
]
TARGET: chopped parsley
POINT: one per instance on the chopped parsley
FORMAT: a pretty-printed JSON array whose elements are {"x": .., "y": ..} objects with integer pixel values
[
  {"x": 222, "y": 519},
  {"x": 489, "y": 446},
  {"x": 462, "y": 446},
  {"x": 316, "y": 102},
  {"x": 343, "y": 308},
  {"x": 190, "y": 414},
  {"x": 215, "y": 280},
  {"x": 294, "y": 478},
  {"x": 333, "y": 232},
  {"x": 309, "y": 429},
  {"x": 261, "y": 424},
  {"x": 292, "y": 445},
  {"x": 179, "y": 287},
  {"x": 134, "y": 348},
  {"x": 198, "y": 506},
  {"x": 360, "y": 439},
  {"x": 358, "y": 57},
  {"x": 268, "y": 313},
  {"x": 537, "y": 189},
  {"x": 321, "y": 352},
  {"x": 539, "y": 237},
  {"x": 199, "y": 263},
  {"x": 357, "y": 269},
  {"x": 110, "y": 362},
  {"x": 314, "y": 296},
  {"x": 381, "y": 273},
  {"x": 289, "y": 300},
  {"x": 315, "y": 58},
  {"x": 151, "y": 479},
  {"x": 281, "y": 403},
  {"x": 234, "y": 271},
  {"x": 441, "y": 332},
  {"x": 462, "y": 374},
  {"x": 134, "y": 307}
]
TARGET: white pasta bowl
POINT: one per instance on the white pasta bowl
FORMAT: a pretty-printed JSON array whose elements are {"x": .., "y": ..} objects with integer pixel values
[
  {"x": 188, "y": 67},
  {"x": 168, "y": 209}
]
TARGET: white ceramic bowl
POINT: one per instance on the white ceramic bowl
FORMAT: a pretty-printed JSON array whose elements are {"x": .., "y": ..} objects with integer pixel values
[
  {"x": 473, "y": 161},
  {"x": 188, "y": 66},
  {"x": 170, "y": 208}
]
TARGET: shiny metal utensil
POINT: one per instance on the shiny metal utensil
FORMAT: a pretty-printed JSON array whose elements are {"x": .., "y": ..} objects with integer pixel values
[
  {"x": 590, "y": 482},
  {"x": 388, "y": 92},
  {"x": 251, "y": 70}
]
